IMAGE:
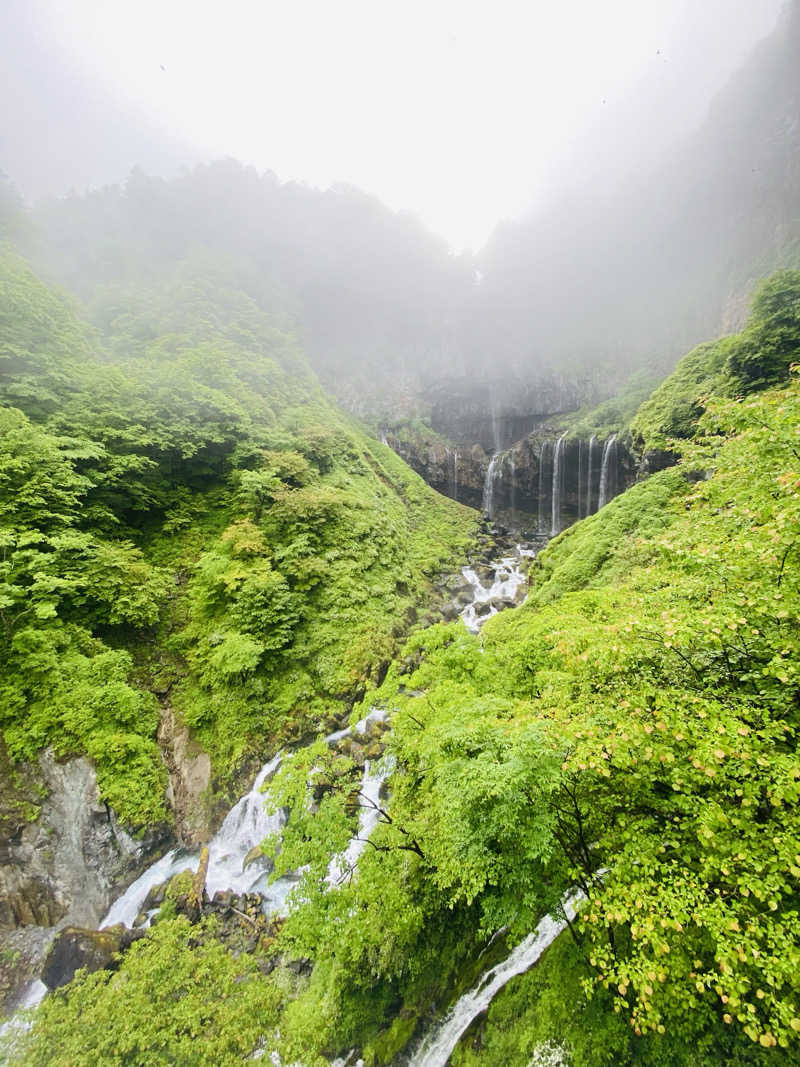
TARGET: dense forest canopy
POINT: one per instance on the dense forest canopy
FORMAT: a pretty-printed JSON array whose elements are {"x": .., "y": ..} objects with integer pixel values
[{"x": 209, "y": 563}]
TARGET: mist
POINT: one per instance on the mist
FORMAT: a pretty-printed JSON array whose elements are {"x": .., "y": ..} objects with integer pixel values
[
  {"x": 617, "y": 177},
  {"x": 444, "y": 111}
]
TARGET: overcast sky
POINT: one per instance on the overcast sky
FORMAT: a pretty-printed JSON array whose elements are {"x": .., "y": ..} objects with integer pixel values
[{"x": 462, "y": 112}]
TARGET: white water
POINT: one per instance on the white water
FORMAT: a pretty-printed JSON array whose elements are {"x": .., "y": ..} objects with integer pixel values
[
  {"x": 437, "y": 1047},
  {"x": 609, "y": 457},
  {"x": 507, "y": 581},
  {"x": 542, "y": 506},
  {"x": 558, "y": 482},
  {"x": 495, "y": 464},
  {"x": 375, "y": 774},
  {"x": 244, "y": 828},
  {"x": 17, "y": 1025},
  {"x": 589, "y": 474}
]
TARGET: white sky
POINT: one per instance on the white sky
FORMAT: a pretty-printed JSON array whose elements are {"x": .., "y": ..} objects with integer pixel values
[{"x": 463, "y": 112}]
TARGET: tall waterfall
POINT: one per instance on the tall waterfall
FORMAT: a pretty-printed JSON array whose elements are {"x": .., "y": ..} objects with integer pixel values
[
  {"x": 513, "y": 487},
  {"x": 608, "y": 471},
  {"x": 437, "y": 1046},
  {"x": 494, "y": 470},
  {"x": 590, "y": 473},
  {"x": 455, "y": 474},
  {"x": 581, "y": 474},
  {"x": 542, "y": 483},
  {"x": 558, "y": 485}
]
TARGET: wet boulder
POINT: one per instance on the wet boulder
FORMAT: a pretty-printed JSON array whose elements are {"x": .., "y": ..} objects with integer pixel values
[{"x": 93, "y": 949}]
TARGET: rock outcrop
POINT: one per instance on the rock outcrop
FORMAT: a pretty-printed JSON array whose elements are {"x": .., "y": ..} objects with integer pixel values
[
  {"x": 63, "y": 855},
  {"x": 188, "y": 791},
  {"x": 518, "y": 484},
  {"x": 76, "y": 948}
]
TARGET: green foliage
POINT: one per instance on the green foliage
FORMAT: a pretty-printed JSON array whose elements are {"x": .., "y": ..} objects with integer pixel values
[
  {"x": 674, "y": 408},
  {"x": 612, "y": 415},
  {"x": 193, "y": 515},
  {"x": 41, "y": 342},
  {"x": 771, "y": 341},
  {"x": 759, "y": 356},
  {"x": 630, "y": 729},
  {"x": 546, "y": 1009},
  {"x": 179, "y": 996}
]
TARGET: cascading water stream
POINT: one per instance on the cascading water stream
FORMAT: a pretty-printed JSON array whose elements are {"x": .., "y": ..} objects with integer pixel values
[
  {"x": 558, "y": 485},
  {"x": 590, "y": 473},
  {"x": 508, "y": 579},
  {"x": 232, "y": 862},
  {"x": 494, "y": 470},
  {"x": 437, "y": 1047},
  {"x": 543, "y": 513},
  {"x": 455, "y": 474},
  {"x": 608, "y": 471},
  {"x": 375, "y": 774}
]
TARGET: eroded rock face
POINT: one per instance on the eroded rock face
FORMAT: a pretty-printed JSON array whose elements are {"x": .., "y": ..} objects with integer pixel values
[
  {"x": 65, "y": 863},
  {"x": 63, "y": 866},
  {"x": 517, "y": 485},
  {"x": 189, "y": 769}
]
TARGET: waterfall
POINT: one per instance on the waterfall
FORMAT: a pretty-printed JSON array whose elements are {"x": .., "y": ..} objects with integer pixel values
[
  {"x": 558, "y": 484},
  {"x": 455, "y": 474},
  {"x": 437, "y": 1047},
  {"x": 233, "y": 862},
  {"x": 513, "y": 486},
  {"x": 542, "y": 483},
  {"x": 590, "y": 473},
  {"x": 608, "y": 471},
  {"x": 581, "y": 465},
  {"x": 341, "y": 867},
  {"x": 495, "y": 465},
  {"x": 383, "y": 438}
]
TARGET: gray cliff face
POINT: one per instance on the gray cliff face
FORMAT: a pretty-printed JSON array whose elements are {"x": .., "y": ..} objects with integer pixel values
[
  {"x": 496, "y": 412},
  {"x": 62, "y": 867}
]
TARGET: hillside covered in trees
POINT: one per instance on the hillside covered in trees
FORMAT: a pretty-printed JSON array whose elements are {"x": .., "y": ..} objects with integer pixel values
[{"x": 304, "y": 761}]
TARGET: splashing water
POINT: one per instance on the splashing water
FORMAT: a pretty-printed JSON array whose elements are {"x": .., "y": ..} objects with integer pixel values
[
  {"x": 508, "y": 580},
  {"x": 232, "y": 863},
  {"x": 437, "y": 1047}
]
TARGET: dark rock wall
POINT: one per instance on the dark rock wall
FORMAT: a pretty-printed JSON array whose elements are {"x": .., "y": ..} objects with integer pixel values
[{"x": 524, "y": 476}]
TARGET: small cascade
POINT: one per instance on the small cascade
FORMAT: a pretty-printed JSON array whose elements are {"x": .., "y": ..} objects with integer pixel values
[
  {"x": 558, "y": 485},
  {"x": 436, "y": 1049},
  {"x": 375, "y": 774},
  {"x": 608, "y": 472},
  {"x": 383, "y": 438},
  {"x": 234, "y": 862},
  {"x": 543, "y": 512},
  {"x": 590, "y": 474},
  {"x": 18, "y": 1024},
  {"x": 508, "y": 581},
  {"x": 494, "y": 472}
]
